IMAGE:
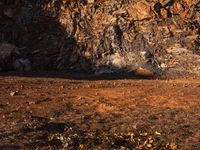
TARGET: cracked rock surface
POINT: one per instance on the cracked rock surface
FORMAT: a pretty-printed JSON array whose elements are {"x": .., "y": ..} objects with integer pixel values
[{"x": 103, "y": 36}]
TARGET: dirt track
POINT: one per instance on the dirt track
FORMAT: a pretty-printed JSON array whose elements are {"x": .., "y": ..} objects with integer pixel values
[{"x": 169, "y": 109}]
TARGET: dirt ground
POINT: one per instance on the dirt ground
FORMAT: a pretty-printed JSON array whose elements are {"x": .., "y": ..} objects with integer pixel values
[{"x": 50, "y": 112}]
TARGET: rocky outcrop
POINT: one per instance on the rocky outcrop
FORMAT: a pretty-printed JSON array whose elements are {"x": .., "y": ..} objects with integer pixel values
[{"x": 104, "y": 35}]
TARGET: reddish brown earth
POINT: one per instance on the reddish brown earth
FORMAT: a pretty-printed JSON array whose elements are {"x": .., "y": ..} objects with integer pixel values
[{"x": 41, "y": 106}]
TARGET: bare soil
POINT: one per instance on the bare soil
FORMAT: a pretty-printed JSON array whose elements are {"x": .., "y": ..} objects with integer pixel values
[{"x": 42, "y": 112}]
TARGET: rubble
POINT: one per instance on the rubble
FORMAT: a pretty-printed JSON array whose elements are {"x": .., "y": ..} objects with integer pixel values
[
  {"x": 87, "y": 35},
  {"x": 22, "y": 65},
  {"x": 6, "y": 55},
  {"x": 10, "y": 58}
]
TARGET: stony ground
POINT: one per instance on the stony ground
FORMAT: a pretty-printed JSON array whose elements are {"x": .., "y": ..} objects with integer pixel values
[{"x": 51, "y": 112}]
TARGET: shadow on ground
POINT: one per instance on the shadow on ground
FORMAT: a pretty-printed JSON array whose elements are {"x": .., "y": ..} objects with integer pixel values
[{"x": 78, "y": 75}]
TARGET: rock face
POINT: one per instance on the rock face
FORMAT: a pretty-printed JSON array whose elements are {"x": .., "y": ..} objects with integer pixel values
[
  {"x": 7, "y": 52},
  {"x": 96, "y": 35}
]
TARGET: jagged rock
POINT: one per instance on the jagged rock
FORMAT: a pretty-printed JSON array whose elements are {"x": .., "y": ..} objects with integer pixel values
[
  {"x": 6, "y": 50},
  {"x": 6, "y": 55},
  {"x": 22, "y": 65},
  {"x": 10, "y": 58},
  {"x": 141, "y": 10},
  {"x": 92, "y": 34},
  {"x": 9, "y": 12}
]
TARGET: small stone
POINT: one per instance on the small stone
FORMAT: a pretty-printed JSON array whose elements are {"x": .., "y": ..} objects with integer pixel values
[
  {"x": 163, "y": 65},
  {"x": 149, "y": 145},
  {"x": 157, "y": 133},
  {"x": 14, "y": 93},
  {"x": 163, "y": 13},
  {"x": 90, "y": 1},
  {"x": 52, "y": 118},
  {"x": 173, "y": 146}
]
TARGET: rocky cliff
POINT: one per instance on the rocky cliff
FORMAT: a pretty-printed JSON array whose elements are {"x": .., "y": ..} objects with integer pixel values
[{"x": 101, "y": 36}]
